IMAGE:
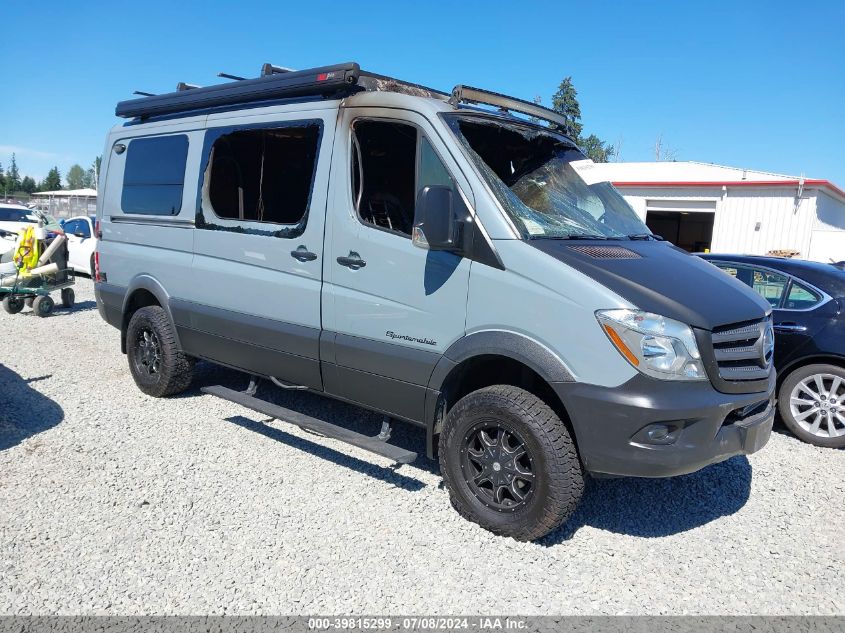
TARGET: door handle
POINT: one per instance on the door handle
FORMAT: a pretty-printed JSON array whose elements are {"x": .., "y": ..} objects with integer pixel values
[
  {"x": 303, "y": 254},
  {"x": 353, "y": 261},
  {"x": 790, "y": 328}
]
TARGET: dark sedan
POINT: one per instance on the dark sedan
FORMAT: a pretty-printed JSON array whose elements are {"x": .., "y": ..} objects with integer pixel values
[{"x": 808, "y": 307}]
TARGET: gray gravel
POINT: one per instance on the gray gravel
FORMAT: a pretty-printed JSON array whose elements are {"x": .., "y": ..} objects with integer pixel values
[{"x": 115, "y": 503}]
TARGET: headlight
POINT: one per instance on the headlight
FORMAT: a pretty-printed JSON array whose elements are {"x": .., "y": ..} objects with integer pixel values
[{"x": 656, "y": 346}]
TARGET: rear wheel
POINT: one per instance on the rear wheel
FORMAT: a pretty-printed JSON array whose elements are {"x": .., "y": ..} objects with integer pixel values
[
  {"x": 812, "y": 404},
  {"x": 509, "y": 463},
  {"x": 68, "y": 297},
  {"x": 157, "y": 364},
  {"x": 12, "y": 305}
]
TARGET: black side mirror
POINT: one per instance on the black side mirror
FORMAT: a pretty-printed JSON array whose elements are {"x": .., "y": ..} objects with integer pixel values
[
  {"x": 437, "y": 219},
  {"x": 80, "y": 234}
]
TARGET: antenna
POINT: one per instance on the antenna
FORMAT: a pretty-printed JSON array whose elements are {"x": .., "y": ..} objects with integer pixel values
[
  {"x": 270, "y": 69},
  {"x": 182, "y": 86},
  {"x": 144, "y": 94},
  {"x": 228, "y": 76}
]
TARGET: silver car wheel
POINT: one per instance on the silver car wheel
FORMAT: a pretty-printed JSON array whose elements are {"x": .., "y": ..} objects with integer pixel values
[{"x": 817, "y": 404}]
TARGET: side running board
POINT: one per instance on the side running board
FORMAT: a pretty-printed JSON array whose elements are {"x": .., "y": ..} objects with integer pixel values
[{"x": 372, "y": 444}]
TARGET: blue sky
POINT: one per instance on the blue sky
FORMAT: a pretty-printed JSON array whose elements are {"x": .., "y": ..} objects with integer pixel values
[{"x": 753, "y": 84}]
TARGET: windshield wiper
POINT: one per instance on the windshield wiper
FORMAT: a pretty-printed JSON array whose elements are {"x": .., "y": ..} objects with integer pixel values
[
  {"x": 579, "y": 237},
  {"x": 645, "y": 237}
]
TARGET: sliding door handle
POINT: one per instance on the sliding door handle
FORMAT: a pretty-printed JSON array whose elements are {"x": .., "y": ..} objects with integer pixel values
[
  {"x": 303, "y": 254},
  {"x": 353, "y": 261}
]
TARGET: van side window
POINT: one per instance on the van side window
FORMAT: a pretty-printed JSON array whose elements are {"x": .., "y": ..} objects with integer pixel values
[
  {"x": 384, "y": 174},
  {"x": 263, "y": 175},
  {"x": 154, "y": 175}
]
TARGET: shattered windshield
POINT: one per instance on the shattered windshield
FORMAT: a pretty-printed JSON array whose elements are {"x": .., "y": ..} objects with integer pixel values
[{"x": 544, "y": 182}]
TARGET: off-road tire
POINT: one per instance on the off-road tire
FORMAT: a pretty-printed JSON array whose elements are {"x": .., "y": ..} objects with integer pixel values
[
  {"x": 784, "y": 393},
  {"x": 176, "y": 368},
  {"x": 559, "y": 476},
  {"x": 43, "y": 305},
  {"x": 12, "y": 305}
]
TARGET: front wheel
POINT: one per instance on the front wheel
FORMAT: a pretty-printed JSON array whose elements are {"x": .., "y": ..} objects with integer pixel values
[
  {"x": 12, "y": 304},
  {"x": 812, "y": 404},
  {"x": 157, "y": 364},
  {"x": 43, "y": 305},
  {"x": 509, "y": 463}
]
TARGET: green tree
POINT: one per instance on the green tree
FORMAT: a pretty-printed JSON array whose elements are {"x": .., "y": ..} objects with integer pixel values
[
  {"x": 596, "y": 149},
  {"x": 2, "y": 178},
  {"x": 53, "y": 181},
  {"x": 92, "y": 175},
  {"x": 75, "y": 177},
  {"x": 13, "y": 177},
  {"x": 28, "y": 184},
  {"x": 565, "y": 103}
]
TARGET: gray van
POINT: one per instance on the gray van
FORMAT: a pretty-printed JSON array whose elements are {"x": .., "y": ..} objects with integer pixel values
[{"x": 447, "y": 259}]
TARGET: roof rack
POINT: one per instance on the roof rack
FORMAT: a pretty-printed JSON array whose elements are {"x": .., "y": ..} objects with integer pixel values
[
  {"x": 468, "y": 94},
  {"x": 277, "y": 84}
]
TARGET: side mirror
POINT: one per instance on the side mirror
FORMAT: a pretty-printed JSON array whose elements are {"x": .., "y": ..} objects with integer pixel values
[
  {"x": 436, "y": 222},
  {"x": 80, "y": 234}
]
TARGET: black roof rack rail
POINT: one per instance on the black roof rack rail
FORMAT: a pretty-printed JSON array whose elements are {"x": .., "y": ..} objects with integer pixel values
[
  {"x": 468, "y": 94},
  {"x": 228, "y": 76},
  {"x": 270, "y": 69},
  {"x": 316, "y": 82}
]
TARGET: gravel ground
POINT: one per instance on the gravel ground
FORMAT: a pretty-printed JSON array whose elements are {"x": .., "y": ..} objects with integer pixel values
[{"x": 115, "y": 503}]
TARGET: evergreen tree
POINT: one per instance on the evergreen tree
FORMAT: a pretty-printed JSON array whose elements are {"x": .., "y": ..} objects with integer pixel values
[
  {"x": 28, "y": 184},
  {"x": 53, "y": 181},
  {"x": 565, "y": 103},
  {"x": 13, "y": 177},
  {"x": 596, "y": 149}
]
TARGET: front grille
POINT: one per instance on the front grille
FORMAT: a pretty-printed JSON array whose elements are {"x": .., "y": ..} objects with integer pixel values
[
  {"x": 606, "y": 252},
  {"x": 743, "y": 351}
]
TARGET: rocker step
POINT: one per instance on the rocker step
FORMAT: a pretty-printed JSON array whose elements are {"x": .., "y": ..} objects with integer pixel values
[{"x": 372, "y": 444}]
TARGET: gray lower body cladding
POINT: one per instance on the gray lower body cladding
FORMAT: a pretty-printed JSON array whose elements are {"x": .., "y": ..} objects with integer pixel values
[
  {"x": 110, "y": 303},
  {"x": 703, "y": 426}
]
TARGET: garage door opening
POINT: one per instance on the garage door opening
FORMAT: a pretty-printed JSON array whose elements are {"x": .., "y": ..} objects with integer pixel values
[{"x": 686, "y": 223}]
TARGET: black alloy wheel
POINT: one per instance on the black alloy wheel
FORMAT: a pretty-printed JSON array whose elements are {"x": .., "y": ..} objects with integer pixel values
[
  {"x": 497, "y": 466},
  {"x": 148, "y": 353}
]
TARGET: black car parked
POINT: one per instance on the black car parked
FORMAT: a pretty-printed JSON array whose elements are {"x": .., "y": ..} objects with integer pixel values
[{"x": 808, "y": 301}]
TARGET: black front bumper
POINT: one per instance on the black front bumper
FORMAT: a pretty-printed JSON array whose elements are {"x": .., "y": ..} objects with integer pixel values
[{"x": 618, "y": 429}]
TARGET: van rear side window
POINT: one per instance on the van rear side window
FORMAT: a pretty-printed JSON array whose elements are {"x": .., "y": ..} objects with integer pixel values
[
  {"x": 263, "y": 175},
  {"x": 154, "y": 175}
]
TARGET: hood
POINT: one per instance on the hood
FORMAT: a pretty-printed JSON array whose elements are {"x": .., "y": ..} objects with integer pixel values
[{"x": 661, "y": 278}]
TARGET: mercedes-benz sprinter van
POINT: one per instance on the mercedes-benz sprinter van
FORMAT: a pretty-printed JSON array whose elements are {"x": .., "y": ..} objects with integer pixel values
[{"x": 447, "y": 259}]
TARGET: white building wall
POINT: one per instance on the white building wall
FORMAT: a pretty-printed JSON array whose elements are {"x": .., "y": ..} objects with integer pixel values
[
  {"x": 783, "y": 226},
  {"x": 827, "y": 241}
]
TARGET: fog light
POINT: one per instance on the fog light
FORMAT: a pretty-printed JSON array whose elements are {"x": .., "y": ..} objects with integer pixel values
[{"x": 660, "y": 434}]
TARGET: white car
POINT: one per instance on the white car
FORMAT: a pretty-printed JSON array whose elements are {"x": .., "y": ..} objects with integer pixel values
[
  {"x": 13, "y": 218},
  {"x": 81, "y": 243}
]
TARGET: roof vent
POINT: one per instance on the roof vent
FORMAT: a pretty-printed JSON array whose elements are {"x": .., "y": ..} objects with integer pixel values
[{"x": 606, "y": 252}]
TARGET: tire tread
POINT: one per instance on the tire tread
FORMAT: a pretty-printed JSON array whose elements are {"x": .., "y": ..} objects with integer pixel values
[{"x": 566, "y": 478}]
